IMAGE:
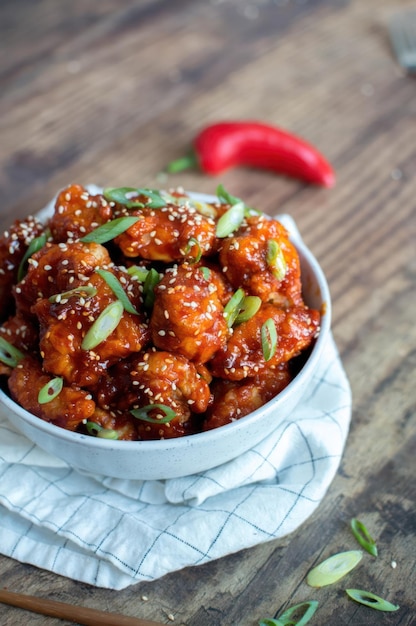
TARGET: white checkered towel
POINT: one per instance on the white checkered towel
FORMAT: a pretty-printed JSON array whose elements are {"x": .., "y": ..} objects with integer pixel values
[{"x": 112, "y": 533}]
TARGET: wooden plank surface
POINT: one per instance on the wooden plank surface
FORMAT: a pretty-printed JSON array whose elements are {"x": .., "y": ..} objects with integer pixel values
[{"x": 109, "y": 92}]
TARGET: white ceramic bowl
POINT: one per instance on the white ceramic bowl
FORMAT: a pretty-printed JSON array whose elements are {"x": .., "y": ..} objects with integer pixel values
[{"x": 170, "y": 458}]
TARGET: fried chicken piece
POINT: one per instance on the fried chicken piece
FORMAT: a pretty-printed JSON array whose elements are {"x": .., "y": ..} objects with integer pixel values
[
  {"x": 188, "y": 317},
  {"x": 13, "y": 246},
  {"x": 77, "y": 212},
  {"x": 64, "y": 324},
  {"x": 168, "y": 234},
  {"x": 243, "y": 356},
  {"x": 68, "y": 409},
  {"x": 158, "y": 379},
  {"x": 260, "y": 258},
  {"x": 58, "y": 268},
  {"x": 234, "y": 399}
]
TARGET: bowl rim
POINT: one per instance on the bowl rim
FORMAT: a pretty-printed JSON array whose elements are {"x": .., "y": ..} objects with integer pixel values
[{"x": 176, "y": 443}]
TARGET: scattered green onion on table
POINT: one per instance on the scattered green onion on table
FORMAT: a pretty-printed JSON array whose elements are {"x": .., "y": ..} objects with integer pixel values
[{"x": 363, "y": 536}]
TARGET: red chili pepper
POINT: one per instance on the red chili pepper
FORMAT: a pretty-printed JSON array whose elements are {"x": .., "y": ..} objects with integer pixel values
[{"x": 223, "y": 145}]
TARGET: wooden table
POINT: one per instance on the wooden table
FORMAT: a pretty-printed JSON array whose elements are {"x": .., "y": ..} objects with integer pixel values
[{"x": 109, "y": 92}]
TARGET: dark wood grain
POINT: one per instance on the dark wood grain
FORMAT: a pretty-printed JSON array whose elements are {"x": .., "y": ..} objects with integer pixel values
[{"x": 109, "y": 92}]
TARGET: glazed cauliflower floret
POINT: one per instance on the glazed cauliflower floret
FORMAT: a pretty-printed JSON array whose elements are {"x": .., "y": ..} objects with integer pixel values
[
  {"x": 188, "y": 317},
  {"x": 159, "y": 379},
  {"x": 68, "y": 409},
  {"x": 260, "y": 258},
  {"x": 13, "y": 246},
  {"x": 115, "y": 424},
  {"x": 77, "y": 213},
  {"x": 171, "y": 233},
  {"x": 58, "y": 268},
  {"x": 234, "y": 399},
  {"x": 243, "y": 354}
]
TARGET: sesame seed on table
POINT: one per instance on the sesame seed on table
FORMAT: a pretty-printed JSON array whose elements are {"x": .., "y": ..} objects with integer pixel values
[{"x": 109, "y": 93}]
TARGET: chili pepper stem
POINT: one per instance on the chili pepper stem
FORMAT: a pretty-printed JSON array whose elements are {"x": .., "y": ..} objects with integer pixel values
[{"x": 183, "y": 163}]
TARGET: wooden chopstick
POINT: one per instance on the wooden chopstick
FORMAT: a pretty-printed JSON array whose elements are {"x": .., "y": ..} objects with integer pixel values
[{"x": 77, "y": 614}]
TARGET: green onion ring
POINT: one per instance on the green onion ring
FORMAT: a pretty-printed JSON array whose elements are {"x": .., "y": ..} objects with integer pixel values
[
  {"x": 233, "y": 306},
  {"x": 138, "y": 272},
  {"x": 51, "y": 390},
  {"x": 103, "y": 433},
  {"x": 286, "y": 619},
  {"x": 9, "y": 354},
  {"x": 143, "y": 413},
  {"x": 334, "y": 568},
  {"x": 191, "y": 243},
  {"x": 248, "y": 308},
  {"x": 125, "y": 196},
  {"x": 83, "y": 291},
  {"x": 35, "y": 245},
  {"x": 205, "y": 272},
  {"x": 269, "y": 339},
  {"x": 276, "y": 260},
  {"x": 110, "y": 230},
  {"x": 103, "y": 326},
  {"x": 363, "y": 537},
  {"x": 371, "y": 600},
  {"x": 117, "y": 289},
  {"x": 230, "y": 220},
  {"x": 226, "y": 198},
  {"x": 150, "y": 283}
]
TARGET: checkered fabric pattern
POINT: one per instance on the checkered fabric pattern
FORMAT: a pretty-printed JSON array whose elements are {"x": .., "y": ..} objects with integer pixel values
[{"x": 112, "y": 533}]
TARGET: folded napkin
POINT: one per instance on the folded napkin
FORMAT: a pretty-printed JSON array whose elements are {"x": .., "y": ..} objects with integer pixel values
[{"x": 112, "y": 533}]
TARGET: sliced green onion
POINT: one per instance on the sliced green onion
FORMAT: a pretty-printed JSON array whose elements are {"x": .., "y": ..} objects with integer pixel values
[
  {"x": 144, "y": 413},
  {"x": 183, "y": 163},
  {"x": 103, "y": 326},
  {"x": 51, "y": 390},
  {"x": 128, "y": 197},
  {"x": 117, "y": 289},
  {"x": 287, "y": 619},
  {"x": 233, "y": 306},
  {"x": 103, "y": 433},
  {"x": 334, "y": 568},
  {"x": 191, "y": 243},
  {"x": 248, "y": 308},
  {"x": 9, "y": 355},
  {"x": 226, "y": 198},
  {"x": 371, "y": 600},
  {"x": 86, "y": 291},
  {"x": 363, "y": 537},
  {"x": 230, "y": 220},
  {"x": 110, "y": 230},
  {"x": 35, "y": 245},
  {"x": 149, "y": 285},
  {"x": 206, "y": 272},
  {"x": 276, "y": 260},
  {"x": 269, "y": 339},
  {"x": 138, "y": 272}
]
